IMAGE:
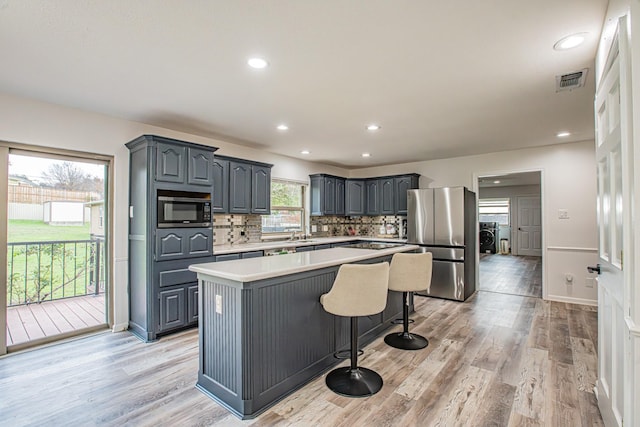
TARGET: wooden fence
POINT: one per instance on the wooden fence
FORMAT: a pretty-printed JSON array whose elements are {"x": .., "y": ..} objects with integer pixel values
[{"x": 39, "y": 195}]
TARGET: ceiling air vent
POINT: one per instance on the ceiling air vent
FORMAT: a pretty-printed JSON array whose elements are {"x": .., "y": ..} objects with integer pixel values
[{"x": 571, "y": 81}]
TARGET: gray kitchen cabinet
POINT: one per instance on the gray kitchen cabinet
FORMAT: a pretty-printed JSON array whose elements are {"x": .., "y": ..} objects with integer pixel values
[
  {"x": 387, "y": 196},
  {"x": 252, "y": 254},
  {"x": 244, "y": 187},
  {"x": 340, "y": 194},
  {"x": 323, "y": 194},
  {"x": 239, "y": 187},
  {"x": 192, "y": 303},
  {"x": 227, "y": 257},
  {"x": 373, "y": 196},
  {"x": 174, "y": 243},
  {"x": 159, "y": 279},
  {"x": 260, "y": 189},
  {"x": 355, "y": 192},
  {"x": 402, "y": 184},
  {"x": 172, "y": 309},
  {"x": 333, "y": 195},
  {"x": 220, "y": 198},
  {"x": 180, "y": 164}
]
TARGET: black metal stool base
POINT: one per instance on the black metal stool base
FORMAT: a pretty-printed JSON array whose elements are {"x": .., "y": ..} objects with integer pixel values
[
  {"x": 406, "y": 341},
  {"x": 358, "y": 382}
]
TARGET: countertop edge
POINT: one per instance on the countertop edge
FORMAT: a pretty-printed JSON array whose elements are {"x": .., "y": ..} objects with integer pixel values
[{"x": 217, "y": 269}]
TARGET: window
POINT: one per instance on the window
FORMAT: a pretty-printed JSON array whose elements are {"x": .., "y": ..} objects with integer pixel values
[
  {"x": 494, "y": 210},
  {"x": 287, "y": 208}
]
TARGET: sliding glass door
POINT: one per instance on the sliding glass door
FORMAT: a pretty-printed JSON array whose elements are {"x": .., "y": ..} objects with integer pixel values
[{"x": 57, "y": 261}]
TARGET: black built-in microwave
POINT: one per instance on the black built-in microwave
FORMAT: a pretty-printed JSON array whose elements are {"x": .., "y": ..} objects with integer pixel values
[{"x": 183, "y": 209}]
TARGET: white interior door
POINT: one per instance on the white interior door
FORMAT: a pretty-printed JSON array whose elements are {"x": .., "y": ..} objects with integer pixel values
[
  {"x": 529, "y": 226},
  {"x": 612, "y": 154}
]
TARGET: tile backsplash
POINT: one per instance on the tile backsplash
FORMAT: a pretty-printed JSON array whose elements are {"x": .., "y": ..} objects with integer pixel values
[
  {"x": 237, "y": 229},
  {"x": 369, "y": 226}
]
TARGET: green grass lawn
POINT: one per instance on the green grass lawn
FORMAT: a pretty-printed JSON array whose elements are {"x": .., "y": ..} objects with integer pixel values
[
  {"x": 22, "y": 230},
  {"x": 38, "y": 272}
]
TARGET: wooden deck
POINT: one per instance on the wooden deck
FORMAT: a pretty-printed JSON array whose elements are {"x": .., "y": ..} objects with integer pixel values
[{"x": 35, "y": 321}]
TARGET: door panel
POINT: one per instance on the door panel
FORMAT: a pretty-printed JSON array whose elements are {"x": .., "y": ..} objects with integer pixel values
[{"x": 529, "y": 226}]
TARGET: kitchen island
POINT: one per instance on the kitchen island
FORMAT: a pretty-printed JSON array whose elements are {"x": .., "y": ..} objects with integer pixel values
[{"x": 262, "y": 330}]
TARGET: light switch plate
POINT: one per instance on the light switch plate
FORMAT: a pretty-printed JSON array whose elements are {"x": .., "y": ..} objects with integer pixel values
[
  {"x": 325, "y": 228},
  {"x": 219, "y": 304}
]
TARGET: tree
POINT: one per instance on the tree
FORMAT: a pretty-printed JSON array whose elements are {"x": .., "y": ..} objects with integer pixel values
[{"x": 68, "y": 176}]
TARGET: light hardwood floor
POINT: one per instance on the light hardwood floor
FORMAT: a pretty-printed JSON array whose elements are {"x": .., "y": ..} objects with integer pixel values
[
  {"x": 511, "y": 274},
  {"x": 495, "y": 360}
]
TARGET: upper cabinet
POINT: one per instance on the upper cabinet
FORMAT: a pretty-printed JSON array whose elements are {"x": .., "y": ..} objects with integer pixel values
[
  {"x": 332, "y": 195},
  {"x": 183, "y": 164},
  {"x": 220, "y": 201},
  {"x": 323, "y": 194},
  {"x": 387, "y": 196},
  {"x": 354, "y": 197},
  {"x": 402, "y": 184},
  {"x": 373, "y": 196},
  {"x": 260, "y": 189},
  {"x": 247, "y": 188}
]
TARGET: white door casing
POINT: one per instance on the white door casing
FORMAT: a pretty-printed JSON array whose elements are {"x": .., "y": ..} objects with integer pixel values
[{"x": 529, "y": 231}]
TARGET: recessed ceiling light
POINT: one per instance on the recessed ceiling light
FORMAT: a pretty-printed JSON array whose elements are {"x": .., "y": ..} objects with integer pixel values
[
  {"x": 366, "y": 155},
  {"x": 373, "y": 127},
  {"x": 562, "y": 134},
  {"x": 496, "y": 181},
  {"x": 257, "y": 63},
  {"x": 283, "y": 127},
  {"x": 569, "y": 42},
  {"x": 305, "y": 152}
]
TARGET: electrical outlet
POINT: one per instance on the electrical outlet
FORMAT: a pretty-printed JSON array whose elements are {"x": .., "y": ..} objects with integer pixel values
[
  {"x": 314, "y": 228},
  {"x": 219, "y": 304},
  {"x": 563, "y": 214},
  {"x": 325, "y": 228}
]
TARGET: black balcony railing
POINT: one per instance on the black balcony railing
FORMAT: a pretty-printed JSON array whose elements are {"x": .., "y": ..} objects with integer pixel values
[{"x": 46, "y": 271}]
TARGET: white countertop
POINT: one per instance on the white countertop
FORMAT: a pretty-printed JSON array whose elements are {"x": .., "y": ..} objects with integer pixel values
[
  {"x": 252, "y": 269},
  {"x": 277, "y": 244}
]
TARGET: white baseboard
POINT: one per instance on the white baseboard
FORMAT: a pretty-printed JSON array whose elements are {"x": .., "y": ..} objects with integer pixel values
[
  {"x": 604, "y": 404},
  {"x": 570, "y": 300}
]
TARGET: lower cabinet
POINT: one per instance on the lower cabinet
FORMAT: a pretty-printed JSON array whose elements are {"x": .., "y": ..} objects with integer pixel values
[
  {"x": 172, "y": 309},
  {"x": 178, "y": 307},
  {"x": 192, "y": 304}
]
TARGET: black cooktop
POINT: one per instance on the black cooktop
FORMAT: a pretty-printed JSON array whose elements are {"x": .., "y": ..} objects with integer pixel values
[{"x": 373, "y": 245}]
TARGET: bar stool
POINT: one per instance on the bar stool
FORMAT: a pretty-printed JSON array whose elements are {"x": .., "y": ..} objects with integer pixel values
[
  {"x": 409, "y": 273},
  {"x": 358, "y": 290}
]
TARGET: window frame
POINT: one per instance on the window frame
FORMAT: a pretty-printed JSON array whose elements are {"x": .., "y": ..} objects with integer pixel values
[
  {"x": 301, "y": 209},
  {"x": 495, "y": 201}
]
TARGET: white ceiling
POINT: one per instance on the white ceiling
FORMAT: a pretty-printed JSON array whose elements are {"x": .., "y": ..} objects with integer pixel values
[{"x": 443, "y": 79}]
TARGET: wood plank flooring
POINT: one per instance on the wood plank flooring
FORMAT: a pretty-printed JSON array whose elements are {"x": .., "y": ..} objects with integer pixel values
[
  {"x": 34, "y": 321},
  {"x": 495, "y": 360},
  {"x": 511, "y": 274}
]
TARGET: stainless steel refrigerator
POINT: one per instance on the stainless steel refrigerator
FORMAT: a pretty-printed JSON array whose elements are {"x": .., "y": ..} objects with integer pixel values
[{"x": 443, "y": 221}]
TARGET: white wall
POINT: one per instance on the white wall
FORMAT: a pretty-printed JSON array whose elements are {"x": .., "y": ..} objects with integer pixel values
[
  {"x": 568, "y": 177},
  {"x": 36, "y": 123}
]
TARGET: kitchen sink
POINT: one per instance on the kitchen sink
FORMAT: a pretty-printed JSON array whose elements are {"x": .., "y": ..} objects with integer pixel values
[{"x": 305, "y": 241}]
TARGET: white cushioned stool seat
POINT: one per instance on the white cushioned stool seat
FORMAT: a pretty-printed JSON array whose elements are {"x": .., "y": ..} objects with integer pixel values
[
  {"x": 358, "y": 290},
  {"x": 409, "y": 272}
]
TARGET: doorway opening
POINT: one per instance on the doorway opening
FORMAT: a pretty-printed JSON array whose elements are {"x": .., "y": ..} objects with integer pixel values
[
  {"x": 57, "y": 238},
  {"x": 510, "y": 233}
]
